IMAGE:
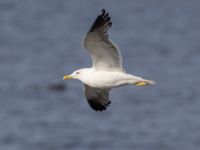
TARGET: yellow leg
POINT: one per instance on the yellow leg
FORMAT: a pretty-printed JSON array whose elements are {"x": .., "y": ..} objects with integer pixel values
[
  {"x": 141, "y": 83},
  {"x": 145, "y": 82}
]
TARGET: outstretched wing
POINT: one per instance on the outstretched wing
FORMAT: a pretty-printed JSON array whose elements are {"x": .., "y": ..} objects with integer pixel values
[
  {"x": 105, "y": 54},
  {"x": 97, "y": 98}
]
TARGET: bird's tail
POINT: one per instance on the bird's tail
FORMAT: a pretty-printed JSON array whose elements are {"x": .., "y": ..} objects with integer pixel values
[{"x": 144, "y": 82}]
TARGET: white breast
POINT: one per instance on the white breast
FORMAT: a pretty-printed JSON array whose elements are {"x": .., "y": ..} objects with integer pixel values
[{"x": 104, "y": 79}]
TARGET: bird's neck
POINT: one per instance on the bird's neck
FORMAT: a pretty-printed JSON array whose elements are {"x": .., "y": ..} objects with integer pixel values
[{"x": 87, "y": 73}]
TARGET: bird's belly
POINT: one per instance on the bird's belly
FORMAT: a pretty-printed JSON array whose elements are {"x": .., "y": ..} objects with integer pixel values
[{"x": 108, "y": 80}]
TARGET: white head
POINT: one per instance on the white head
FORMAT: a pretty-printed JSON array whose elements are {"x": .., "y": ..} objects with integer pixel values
[{"x": 78, "y": 74}]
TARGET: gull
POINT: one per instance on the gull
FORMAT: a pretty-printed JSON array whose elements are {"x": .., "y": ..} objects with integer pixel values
[{"x": 107, "y": 70}]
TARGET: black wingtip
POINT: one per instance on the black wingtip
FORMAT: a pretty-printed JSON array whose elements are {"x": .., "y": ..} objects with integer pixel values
[
  {"x": 98, "y": 106},
  {"x": 103, "y": 11},
  {"x": 102, "y": 19}
]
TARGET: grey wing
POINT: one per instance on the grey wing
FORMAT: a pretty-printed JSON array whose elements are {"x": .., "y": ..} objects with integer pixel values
[
  {"x": 105, "y": 54},
  {"x": 98, "y": 99}
]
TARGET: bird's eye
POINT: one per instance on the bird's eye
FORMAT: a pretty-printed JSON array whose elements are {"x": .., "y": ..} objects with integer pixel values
[{"x": 77, "y": 72}]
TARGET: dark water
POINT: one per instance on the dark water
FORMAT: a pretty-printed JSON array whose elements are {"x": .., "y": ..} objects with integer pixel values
[{"x": 40, "y": 42}]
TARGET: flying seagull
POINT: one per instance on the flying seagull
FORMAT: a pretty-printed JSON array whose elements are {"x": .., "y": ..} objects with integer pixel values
[{"x": 107, "y": 70}]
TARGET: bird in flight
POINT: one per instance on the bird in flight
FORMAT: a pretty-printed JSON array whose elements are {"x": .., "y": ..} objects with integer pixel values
[{"x": 107, "y": 70}]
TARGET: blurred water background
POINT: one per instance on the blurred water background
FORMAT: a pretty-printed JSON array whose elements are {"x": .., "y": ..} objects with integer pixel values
[{"x": 40, "y": 42}]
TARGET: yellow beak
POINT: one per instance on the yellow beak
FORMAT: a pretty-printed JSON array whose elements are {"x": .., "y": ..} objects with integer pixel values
[{"x": 67, "y": 77}]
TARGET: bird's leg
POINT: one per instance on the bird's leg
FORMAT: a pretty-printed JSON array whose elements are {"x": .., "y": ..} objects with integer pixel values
[{"x": 144, "y": 82}]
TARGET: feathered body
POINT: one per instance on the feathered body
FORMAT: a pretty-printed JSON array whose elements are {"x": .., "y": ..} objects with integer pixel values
[{"x": 107, "y": 69}]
